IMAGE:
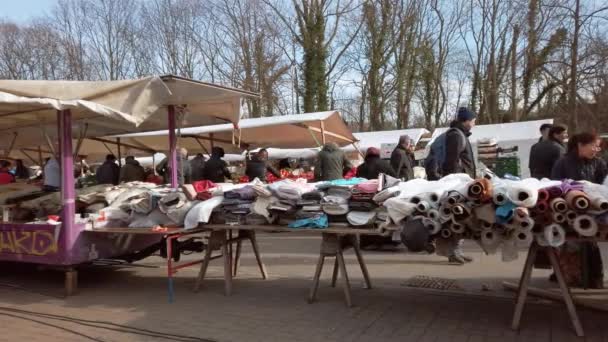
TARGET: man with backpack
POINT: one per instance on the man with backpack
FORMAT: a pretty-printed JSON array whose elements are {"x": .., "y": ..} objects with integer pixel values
[{"x": 450, "y": 153}]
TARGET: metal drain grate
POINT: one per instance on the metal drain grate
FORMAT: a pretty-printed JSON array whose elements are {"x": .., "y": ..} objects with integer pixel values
[{"x": 434, "y": 283}]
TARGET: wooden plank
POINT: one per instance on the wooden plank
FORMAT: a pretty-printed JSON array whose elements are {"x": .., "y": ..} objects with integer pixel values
[
  {"x": 553, "y": 294},
  {"x": 274, "y": 228}
]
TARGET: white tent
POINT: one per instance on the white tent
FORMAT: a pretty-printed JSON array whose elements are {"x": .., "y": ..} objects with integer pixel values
[
  {"x": 376, "y": 139},
  {"x": 521, "y": 134},
  {"x": 289, "y": 131}
]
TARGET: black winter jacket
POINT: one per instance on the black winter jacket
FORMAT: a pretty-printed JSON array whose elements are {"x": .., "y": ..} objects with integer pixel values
[
  {"x": 216, "y": 170},
  {"x": 257, "y": 168},
  {"x": 373, "y": 167},
  {"x": 108, "y": 173},
  {"x": 572, "y": 167},
  {"x": 543, "y": 155},
  {"x": 459, "y": 157},
  {"x": 402, "y": 163}
]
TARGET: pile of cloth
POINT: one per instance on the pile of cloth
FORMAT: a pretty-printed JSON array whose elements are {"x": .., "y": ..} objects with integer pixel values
[{"x": 499, "y": 214}]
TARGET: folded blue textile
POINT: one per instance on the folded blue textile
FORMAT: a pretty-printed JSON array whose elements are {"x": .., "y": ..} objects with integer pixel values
[
  {"x": 505, "y": 212},
  {"x": 319, "y": 221}
]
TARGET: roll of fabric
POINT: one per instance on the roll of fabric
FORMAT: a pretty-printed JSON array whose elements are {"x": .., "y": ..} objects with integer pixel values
[
  {"x": 525, "y": 223},
  {"x": 386, "y": 194},
  {"x": 509, "y": 250},
  {"x": 485, "y": 224},
  {"x": 585, "y": 225},
  {"x": 399, "y": 208},
  {"x": 520, "y": 212},
  {"x": 577, "y": 200},
  {"x": 500, "y": 197},
  {"x": 554, "y": 191},
  {"x": 541, "y": 206},
  {"x": 457, "y": 228},
  {"x": 522, "y": 195},
  {"x": 571, "y": 215},
  {"x": 433, "y": 214},
  {"x": 523, "y": 237},
  {"x": 558, "y": 205},
  {"x": 480, "y": 189},
  {"x": 543, "y": 195},
  {"x": 445, "y": 233},
  {"x": 361, "y": 218},
  {"x": 454, "y": 198},
  {"x": 489, "y": 241},
  {"x": 423, "y": 206},
  {"x": 461, "y": 212},
  {"x": 599, "y": 203},
  {"x": 559, "y": 217},
  {"x": 431, "y": 197},
  {"x": 433, "y": 226},
  {"x": 554, "y": 235}
]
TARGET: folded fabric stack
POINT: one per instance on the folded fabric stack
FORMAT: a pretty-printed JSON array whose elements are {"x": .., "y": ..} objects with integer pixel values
[{"x": 363, "y": 208}]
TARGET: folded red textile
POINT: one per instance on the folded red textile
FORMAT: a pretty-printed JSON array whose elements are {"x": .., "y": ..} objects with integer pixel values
[{"x": 203, "y": 185}]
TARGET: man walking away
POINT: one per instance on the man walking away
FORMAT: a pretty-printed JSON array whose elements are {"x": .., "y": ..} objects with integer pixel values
[
  {"x": 197, "y": 168},
  {"x": 331, "y": 163},
  {"x": 132, "y": 171},
  {"x": 108, "y": 172},
  {"x": 459, "y": 158},
  {"x": 546, "y": 153},
  {"x": 402, "y": 159},
  {"x": 216, "y": 170}
]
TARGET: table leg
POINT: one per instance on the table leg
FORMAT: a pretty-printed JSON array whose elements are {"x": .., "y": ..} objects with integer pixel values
[
  {"x": 71, "y": 282},
  {"x": 524, "y": 281},
  {"x": 345, "y": 282},
  {"x": 237, "y": 256},
  {"x": 334, "y": 276},
  {"x": 256, "y": 251},
  {"x": 204, "y": 266},
  {"x": 368, "y": 282},
  {"x": 169, "y": 268},
  {"x": 227, "y": 266},
  {"x": 315, "y": 280},
  {"x": 565, "y": 293}
]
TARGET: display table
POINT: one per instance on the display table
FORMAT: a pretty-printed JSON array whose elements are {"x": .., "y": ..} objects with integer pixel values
[{"x": 334, "y": 241}]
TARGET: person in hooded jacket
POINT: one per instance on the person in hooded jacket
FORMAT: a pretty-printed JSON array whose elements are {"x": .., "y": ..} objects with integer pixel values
[
  {"x": 459, "y": 157},
  {"x": 108, "y": 172},
  {"x": 216, "y": 169},
  {"x": 581, "y": 163},
  {"x": 21, "y": 172},
  {"x": 197, "y": 168},
  {"x": 258, "y": 165},
  {"x": 331, "y": 163},
  {"x": 544, "y": 154},
  {"x": 402, "y": 159},
  {"x": 373, "y": 166},
  {"x": 132, "y": 171}
]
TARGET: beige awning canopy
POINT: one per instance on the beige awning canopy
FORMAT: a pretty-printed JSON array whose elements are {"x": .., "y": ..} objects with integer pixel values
[
  {"x": 28, "y": 109},
  {"x": 288, "y": 131}
]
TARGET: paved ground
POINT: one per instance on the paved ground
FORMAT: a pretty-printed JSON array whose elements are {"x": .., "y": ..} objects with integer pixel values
[{"x": 276, "y": 310}]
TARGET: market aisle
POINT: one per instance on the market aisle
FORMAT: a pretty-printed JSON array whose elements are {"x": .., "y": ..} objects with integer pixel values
[{"x": 276, "y": 310}]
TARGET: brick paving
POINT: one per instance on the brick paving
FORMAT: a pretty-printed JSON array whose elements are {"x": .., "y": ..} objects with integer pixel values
[{"x": 276, "y": 309}]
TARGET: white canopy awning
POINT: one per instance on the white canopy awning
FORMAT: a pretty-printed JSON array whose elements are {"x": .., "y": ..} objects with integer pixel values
[
  {"x": 28, "y": 109},
  {"x": 289, "y": 131}
]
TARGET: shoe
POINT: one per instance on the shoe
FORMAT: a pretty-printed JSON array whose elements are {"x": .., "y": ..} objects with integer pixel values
[
  {"x": 466, "y": 258},
  {"x": 456, "y": 259}
]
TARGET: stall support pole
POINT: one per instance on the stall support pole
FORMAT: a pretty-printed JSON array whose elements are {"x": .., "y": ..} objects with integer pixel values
[
  {"x": 64, "y": 123},
  {"x": 119, "y": 152},
  {"x": 172, "y": 146},
  {"x": 40, "y": 160}
]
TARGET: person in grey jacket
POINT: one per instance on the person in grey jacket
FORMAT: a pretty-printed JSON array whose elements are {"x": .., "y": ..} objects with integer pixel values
[
  {"x": 546, "y": 153},
  {"x": 183, "y": 168},
  {"x": 132, "y": 171},
  {"x": 197, "y": 168},
  {"x": 402, "y": 160},
  {"x": 459, "y": 157},
  {"x": 331, "y": 164}
]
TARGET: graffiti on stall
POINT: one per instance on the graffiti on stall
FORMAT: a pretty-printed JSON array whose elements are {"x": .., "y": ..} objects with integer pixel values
[{"x": 37, "y": 242}]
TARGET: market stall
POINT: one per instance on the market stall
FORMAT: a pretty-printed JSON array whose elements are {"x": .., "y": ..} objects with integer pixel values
[{"x": 45, "y": 113}]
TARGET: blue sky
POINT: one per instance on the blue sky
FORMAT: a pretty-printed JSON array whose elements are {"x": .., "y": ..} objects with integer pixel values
[{"x": 22, "y": 10}]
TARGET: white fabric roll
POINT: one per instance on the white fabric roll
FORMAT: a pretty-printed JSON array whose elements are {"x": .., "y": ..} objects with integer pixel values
[
  {"x": 524, "y": 223},
  {"x": 433, "y": 226},
  {"x": 522, "y": 237},
  {"x": 486, "y": 213},
  {"x": 571, "y": 216},
  {"x": 522, "y": 196},
  {"x": 500, "y": 196},
  {"x": 423, "y": 206},
  {"x": 489, "y": 241},
  {"x": 599, "y": 203},
  {"x": 585, "y": 225},
  {"x": 399, "y": 208},
  {"x": 445, "y": 233},
  {"x": 554, "y": 235},
  {"x": 433, "y": 214}
]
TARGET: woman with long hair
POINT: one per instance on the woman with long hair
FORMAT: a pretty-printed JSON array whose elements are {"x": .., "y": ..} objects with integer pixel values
[{"x": 581, "y": 162}]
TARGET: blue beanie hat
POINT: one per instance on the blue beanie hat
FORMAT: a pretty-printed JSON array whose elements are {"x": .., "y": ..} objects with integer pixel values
[{"x": 464, "y": 114}]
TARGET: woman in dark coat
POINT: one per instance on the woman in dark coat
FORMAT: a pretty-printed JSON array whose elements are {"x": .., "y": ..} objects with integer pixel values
[
  {"x": 373, "y": 166},
  {"x": 581, "y": 162}
]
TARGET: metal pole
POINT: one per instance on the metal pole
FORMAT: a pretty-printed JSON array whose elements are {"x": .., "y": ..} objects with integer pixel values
[
  {"x": 172, "y": 146},
  {"x": 119, "y": 153},
  {"x": 64, "y": 122}
]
